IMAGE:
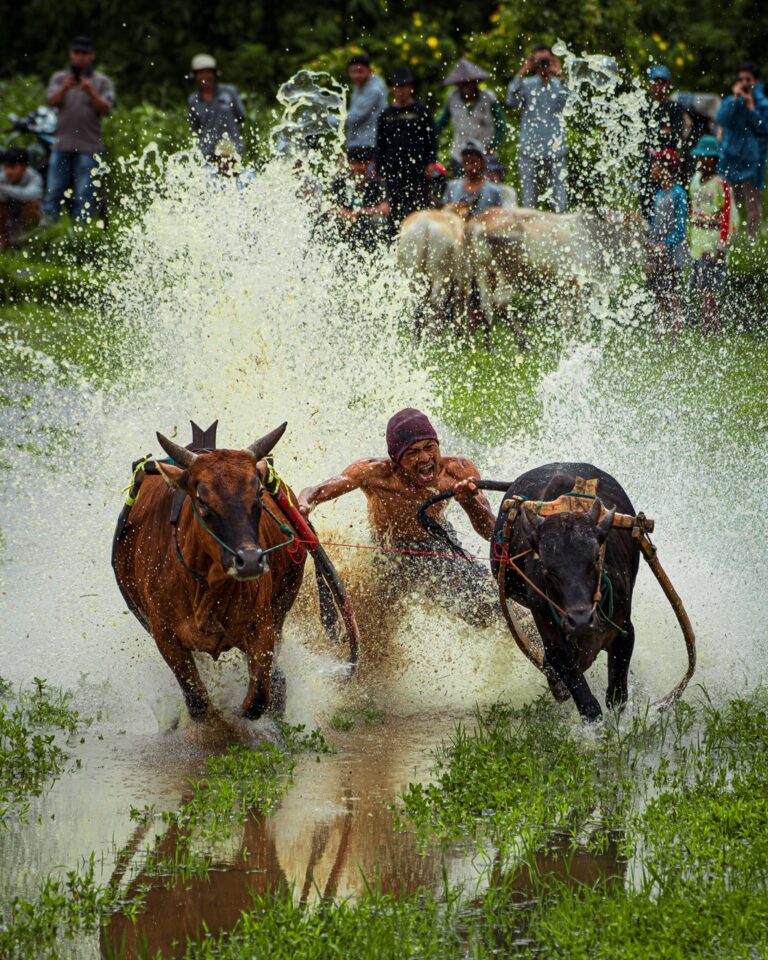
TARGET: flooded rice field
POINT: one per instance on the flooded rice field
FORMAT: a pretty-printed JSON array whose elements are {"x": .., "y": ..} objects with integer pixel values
[{"x": 438, "y": 803}]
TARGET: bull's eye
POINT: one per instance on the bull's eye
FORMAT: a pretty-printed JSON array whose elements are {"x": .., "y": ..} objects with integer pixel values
[{"x": 200, "y": 501}]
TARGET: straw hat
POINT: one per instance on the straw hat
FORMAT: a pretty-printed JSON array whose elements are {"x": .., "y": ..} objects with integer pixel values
[{"x": 464, "y": 72}]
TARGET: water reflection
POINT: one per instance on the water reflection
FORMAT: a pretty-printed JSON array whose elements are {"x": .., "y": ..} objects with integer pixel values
[{"x": 332, "y": 830}]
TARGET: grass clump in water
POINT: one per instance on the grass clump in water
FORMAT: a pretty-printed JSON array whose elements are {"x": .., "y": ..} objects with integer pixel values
[
  {"x": 239, "y": 782},
  {"x": 235, "y": 784},
  {"x": 32, "y": 723}
]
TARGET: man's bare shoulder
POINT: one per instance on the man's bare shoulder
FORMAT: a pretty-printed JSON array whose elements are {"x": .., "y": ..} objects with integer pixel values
[
  {"x": 370, "y": 471},
  {"x": 460, "y": 468}
]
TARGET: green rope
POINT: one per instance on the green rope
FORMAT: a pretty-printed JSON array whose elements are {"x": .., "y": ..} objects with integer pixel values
[
  {"x": 284, "y": 527},
  {"x": 604, "y": 608}
]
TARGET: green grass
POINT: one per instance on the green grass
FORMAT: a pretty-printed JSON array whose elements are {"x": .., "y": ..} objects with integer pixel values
[
  {"x": 680, "y": 795},
  {"x": 35, "y": 725}
]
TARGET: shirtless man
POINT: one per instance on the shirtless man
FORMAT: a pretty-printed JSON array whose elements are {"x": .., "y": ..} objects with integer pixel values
[{"x": 394, "y": 487}]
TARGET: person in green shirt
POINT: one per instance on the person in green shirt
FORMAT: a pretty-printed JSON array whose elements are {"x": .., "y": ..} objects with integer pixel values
[{"x": 712, "y": 220}]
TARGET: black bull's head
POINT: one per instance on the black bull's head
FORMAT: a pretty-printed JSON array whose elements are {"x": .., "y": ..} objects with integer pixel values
[
  {"x": 226, "y": 490},
  {"x": 570, "y": 547}
]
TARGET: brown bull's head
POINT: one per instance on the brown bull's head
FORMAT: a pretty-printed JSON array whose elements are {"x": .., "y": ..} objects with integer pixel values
[
  {"x": 568, "y": 545},
  {"x": 226, "y": 489}
]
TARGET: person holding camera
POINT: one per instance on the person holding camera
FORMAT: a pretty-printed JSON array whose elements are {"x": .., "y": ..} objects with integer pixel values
[
  {"x": 82, "y": 97},
  {"x": 743, "y": 118},
  {"x": 539, "y": 92}
]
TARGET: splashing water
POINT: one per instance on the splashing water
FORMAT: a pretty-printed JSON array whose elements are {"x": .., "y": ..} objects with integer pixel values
[{"x": 229, "y": 307}]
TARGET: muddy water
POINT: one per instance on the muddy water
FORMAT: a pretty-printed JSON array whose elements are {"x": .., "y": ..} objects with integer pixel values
[{"x": 332, "y": 828}]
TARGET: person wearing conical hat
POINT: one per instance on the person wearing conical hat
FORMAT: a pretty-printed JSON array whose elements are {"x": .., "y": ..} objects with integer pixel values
[{"x": 473, "y": 113}]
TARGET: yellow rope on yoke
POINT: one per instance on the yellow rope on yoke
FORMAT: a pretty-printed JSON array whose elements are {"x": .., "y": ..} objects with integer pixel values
[{"x": 130, "y": 500}]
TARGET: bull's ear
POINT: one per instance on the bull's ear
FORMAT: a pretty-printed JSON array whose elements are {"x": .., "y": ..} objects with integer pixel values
[
  {"x": 604, "y": 527},
  {"x": 531, "y": 524},
  {"x": 260, "y": 448},
  {"x": 172, "y": 475}
]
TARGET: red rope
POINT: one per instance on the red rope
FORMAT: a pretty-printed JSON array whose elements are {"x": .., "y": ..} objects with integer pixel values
[{"x": 417, "y": 553}]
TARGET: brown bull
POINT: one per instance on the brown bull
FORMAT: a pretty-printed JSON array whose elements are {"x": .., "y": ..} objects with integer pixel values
[{"x": 229, "y": 584}]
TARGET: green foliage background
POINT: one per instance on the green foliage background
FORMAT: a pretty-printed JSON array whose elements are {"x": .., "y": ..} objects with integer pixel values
[{"x": 146, "y": 46}]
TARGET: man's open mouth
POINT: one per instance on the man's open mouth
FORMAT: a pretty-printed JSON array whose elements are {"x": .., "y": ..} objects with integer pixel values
[{"x": 427, "y": 472}]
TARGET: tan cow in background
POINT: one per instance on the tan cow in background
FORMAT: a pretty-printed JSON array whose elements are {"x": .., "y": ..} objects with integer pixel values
[
  {"x": 519, "y": 250},
  {"x": 430, "y": 249}
]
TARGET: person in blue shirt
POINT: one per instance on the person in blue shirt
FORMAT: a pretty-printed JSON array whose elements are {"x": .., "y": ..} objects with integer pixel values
[
  {"x": 539, "y": 92},
  {"x": 744, "y": 121},
  {"x": 668, "y": 230}
]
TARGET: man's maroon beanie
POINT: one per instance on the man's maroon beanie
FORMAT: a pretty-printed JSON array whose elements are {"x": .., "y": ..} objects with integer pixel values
[{"x": 406, "y": 427}]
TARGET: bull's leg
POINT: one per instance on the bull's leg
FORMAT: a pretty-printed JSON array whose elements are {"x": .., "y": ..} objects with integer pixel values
[
  {"x": 565, "y": 669},
  {"x": 619, "y": 655},
  {"x": 260, "y": 656},
  {"x": 181, "y": 661}
]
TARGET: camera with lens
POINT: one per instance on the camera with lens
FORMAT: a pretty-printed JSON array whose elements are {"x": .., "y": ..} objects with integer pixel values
[
  {"x": 76, "y": 72},
  {"x": 544, "y": 63}
]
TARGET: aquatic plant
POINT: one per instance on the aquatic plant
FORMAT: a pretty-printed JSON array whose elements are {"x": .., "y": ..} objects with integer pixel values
[{"x": 34, "y": 726}]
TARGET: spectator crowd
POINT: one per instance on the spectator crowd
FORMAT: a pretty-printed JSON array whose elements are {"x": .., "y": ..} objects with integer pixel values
[{"x": 693, "y": 175}]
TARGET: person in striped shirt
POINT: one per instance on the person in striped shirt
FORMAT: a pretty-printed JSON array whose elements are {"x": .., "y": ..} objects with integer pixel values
[{"x": 712, "y": 220}]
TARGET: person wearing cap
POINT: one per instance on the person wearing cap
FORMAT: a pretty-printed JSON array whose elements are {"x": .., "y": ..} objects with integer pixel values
[
  {"x": 495, "y": 171},
  {"x": 666, "y": 126},
  {"x": 216, "y": 111},
  {"x": 473, "y": 193},
  {"x": 539, "y": 92},
  {"x": 667, "y": 235},
  {"x": 82, "y": 96},
  {"x": 21, "y": 191},
  {"x": 394, "y": 487},
  {"x": 367, "y": 102},
  {"x": 473, "y": 113},
  {"x": 361, "y": 209},
  {"x": 743, "y": 118},
  {"x": 712, "y": 220},
  {"x": 406, "y": 147}
]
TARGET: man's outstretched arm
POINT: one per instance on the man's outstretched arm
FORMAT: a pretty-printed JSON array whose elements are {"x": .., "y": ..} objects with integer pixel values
[{"x": 352, "y": 478}]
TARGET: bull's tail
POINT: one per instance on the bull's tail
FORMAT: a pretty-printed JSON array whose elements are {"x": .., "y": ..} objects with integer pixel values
[
  {"x": 334, "y": 601},
  {"x": 329, "y": 616}
]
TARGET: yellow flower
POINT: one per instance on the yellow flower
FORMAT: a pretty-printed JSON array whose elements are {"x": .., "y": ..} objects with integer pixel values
[
  {"x": 398, "y": 40},
  {"x": 438, "y": 55},
  {"x": 432, "y": 42},
  {"x": 417, "y": 21},
  {"x": 414, "y": 59},
  {"x": 679, "y": 61},
  {"x": 655, "y": 37},
  {"x": 494, "y": 17},
  {"x": 406, "y": 46},
  {"x": 663, "y": 44}
]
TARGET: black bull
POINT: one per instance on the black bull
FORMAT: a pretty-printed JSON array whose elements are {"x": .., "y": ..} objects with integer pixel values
[
  {"x": 562, "y": 559},
  {"x": 564, "y": 563}
]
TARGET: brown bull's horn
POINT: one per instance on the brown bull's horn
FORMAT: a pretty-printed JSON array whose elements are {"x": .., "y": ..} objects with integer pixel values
[
  {"x": 180, "y": 455},
  {"x": 260, "y": 448}
]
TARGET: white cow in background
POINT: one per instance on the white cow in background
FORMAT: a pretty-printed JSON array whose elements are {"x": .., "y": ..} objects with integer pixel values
[
  {"x": 513, "y": 250},
  {"x": 481, "y": 264},
  {"x": 430, "y": 249}
]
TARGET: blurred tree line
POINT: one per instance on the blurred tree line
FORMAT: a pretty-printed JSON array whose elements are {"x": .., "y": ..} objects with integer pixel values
[{"x": 146, "y": 46}]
